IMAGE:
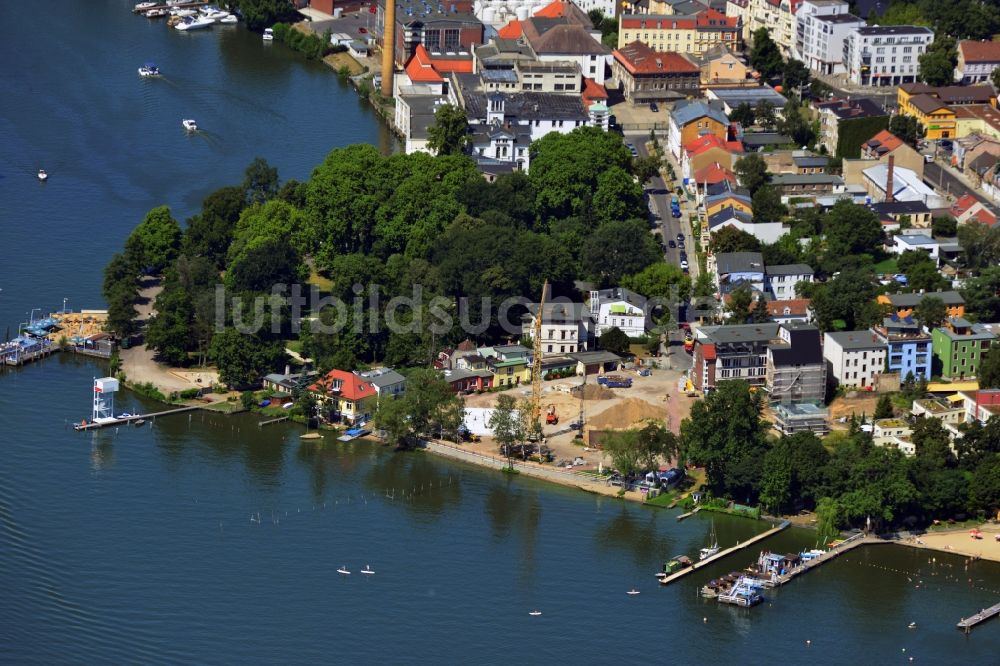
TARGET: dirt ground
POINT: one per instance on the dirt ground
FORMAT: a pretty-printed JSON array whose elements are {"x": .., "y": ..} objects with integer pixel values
[
  {"x": 860, "y": 403},
  {"x": 604, "y": 409}
]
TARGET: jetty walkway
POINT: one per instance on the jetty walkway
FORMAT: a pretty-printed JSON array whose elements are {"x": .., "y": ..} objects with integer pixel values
[
  {"x": 94, "y": 425},
  {"x": 848, "y": 544},
  {"x": 724, "y": 553},
  {"x": 967, "y": 623}
]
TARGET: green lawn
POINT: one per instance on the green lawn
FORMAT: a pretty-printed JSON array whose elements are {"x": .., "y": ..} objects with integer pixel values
[{"x": 888, "y": 266}]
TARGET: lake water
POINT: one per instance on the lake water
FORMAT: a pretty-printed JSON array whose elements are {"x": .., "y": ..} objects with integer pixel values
[{"x": 143, "y": 545}]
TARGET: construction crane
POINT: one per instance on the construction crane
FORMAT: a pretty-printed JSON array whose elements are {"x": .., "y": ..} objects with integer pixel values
[{"x": 536, "y": 367}]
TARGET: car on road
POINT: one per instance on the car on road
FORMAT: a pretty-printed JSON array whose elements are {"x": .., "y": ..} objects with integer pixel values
[
  {"x": 684, "y": 263},
  {"x": 945, "y": 144},
  {"x": 680, "y": 244},
  {"x": 683, "y": 255},
  {"x": 653, "y": 107},
  {"x": 928, "y": 158},
  {"x": 680, "y": 237},
  {"x": 632, "y": 149},
  {"x": 675, "y": 213},
  {"x": 671, "y": 244}
]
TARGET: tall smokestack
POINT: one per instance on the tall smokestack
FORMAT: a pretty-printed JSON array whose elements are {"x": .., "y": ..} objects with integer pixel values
[
  {"x": 888, "y": 179},
  {"x": 388, "y": 47}
]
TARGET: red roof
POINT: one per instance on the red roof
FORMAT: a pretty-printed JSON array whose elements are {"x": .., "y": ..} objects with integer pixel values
[
  {"x": 798, "y": 307},
  {"x": 714, "y": 173},
  {"x": 705, "y": 142},
  {"x": 658, "y": 22},
  {"x": 420, "y": 69},
  {"x": 462, "y": 65},
  {"x": 964, "y": 203},
  {"x": 713, "y": 18},
  {"x": 350, "y": 385},
  {"x": 885, "y": 139},
  {"x": 708, "y": 352},
  {"x": 638, "y": 58},
  {"x": 980, "y": 51},
  {"x": 593, "y": 92},
  {"x": 512, "y": 30},
  {"x": 555, "y": 10}
]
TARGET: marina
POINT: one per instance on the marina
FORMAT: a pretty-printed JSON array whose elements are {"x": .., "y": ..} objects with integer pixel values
[
  {"x": 723, "y": 554},
  {"x": 133, "y": 419},
  {"x": 967, "y": 624}
]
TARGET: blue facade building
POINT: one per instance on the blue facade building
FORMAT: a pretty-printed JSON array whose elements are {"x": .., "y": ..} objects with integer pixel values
[{"x": 908, "y": 347}]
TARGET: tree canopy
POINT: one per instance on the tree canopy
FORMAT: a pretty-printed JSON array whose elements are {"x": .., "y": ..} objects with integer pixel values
[{"x": 450, "y": 132}]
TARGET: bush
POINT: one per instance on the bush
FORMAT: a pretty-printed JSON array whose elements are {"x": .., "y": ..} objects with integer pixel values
[
  {"x": 190, "y": 394},
  {"x": 312, "y": 46}
]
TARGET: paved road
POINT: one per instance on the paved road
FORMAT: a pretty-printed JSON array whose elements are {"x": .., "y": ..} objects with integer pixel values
[{"x": 943, "y": 180}]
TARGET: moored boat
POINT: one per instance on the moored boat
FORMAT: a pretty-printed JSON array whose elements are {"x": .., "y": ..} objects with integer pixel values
[
  {"x": 156, "y": 13},
  {"x": 229, "y": 19},
  {"x": 194, "y": 23},
  {"x": 713, "y": 545},
  {"x": 144, "y": 6},
  {"x": 268, "y": 35}
]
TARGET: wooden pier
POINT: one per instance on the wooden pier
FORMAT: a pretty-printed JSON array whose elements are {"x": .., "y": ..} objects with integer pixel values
[
  {"x": 966, "y": 624},
  {"x": 688, "y": 514},
  {"x": 185, "y": 5},
  {"x": 270, "y": 421},
  {"x": 94, "y": 425},
  {"x": 724, "y": 553},
  {"x": 859, "y": 539}
]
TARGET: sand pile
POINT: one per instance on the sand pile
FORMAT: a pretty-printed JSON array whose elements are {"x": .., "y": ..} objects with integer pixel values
[
  {"x": 629, "y": 412},
  {"x": 593, "y": 392}
]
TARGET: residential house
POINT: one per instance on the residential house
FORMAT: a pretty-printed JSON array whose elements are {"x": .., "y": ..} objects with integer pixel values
[
  {"x": 510, "y": 364},
  {"x": 807, "y": 185},
  {"x": 777, "y": 16},
  {"x": 435, "y": 27},
  {"x": 937, "y": 118},
  {"x": 953, "y": 96},
  {"x": 976, "y": 61},
  {"x": 839, "y": 116},
  {"x": 795, "y": 161},
  {"x": 730, "y": 216},
  {"x": 908, "y": 348},
  {"x": 855, "y": 359},
  {"x": 619, "y": 308},
  {"x": 786, "y": 312},
  {"x": 733, "y": 97},
  {"x": 345, "y": 396},
  {"x": 733, "y": 268},
  {"x": 388, "y": 383},
  {"x": 959, "y": 347},
  {"x": 912, "y": 240},
  {"x": 561, "y": 39},
  {"x": 566, "y": 327},
  {"x": 464, "y": 380},
  {"x": 690, "y": 119},
  {"x": 951, "y": 412},
  {"x": 915, "y": 212},
  {"x": 693, "y": 34},
  {"x": 648, "y": 76},
  {"x": 795, "y": 371},
  {"x": 981, "y": 405},
  {"x": 981, "y": 119},
  {"x": 981, "y": 169},
  {"x": 738, "y": 199},
  {"x": 885, "y": 144},
  {"x": 885, "y": 55},
  {"x": 758, "y": 141},
  {"x": 731, "y": 352},
  {"x": 968, "y": 208},
  {"x": 936, "y": 107},
  {"x": 893, "y": 433},
  {"x": 706, "y": 150},
  {"x": 711, "y": 175},
  {"x": 821, "y": 29},
  {"x": 780, "y": 280},
  {"x": 288, "y": 382},
  {"x": 904, "y": 304},
  {"x": 720, "y": 67}
]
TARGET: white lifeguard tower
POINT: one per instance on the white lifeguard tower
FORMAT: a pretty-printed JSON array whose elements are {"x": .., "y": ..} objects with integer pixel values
[{"x": 104, "y": 399}]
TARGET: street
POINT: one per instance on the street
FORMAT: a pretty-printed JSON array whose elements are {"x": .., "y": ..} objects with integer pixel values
[{"x": 943, "y": 180}]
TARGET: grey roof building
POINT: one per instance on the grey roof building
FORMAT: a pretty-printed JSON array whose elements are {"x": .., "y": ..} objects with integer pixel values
[
  {"x": 789, "y": 269},
  {"x": 739, "y": 262},
  {"x": 951, "y": 298}
]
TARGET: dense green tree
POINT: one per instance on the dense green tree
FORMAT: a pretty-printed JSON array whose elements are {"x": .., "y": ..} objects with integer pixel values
[
  {"x": 765, "y": 56},
  {"x": 786, "y": 250},
  {"x": 792, "y": 473},
  {"x": 169, "y": 332},
  {"x": 936, "y": 69},
  {"x": 795, "y": 125},
  {"x": 995, "y": 78},
  {"x": 260, "y": 182},
  {"x": 795, "y": 75},
  {"x": 507, "y": 425},
  {"x": 981, "y": 244},
  {"x": 614, "y": 340},
  {"x": 930, "y": 312},
  {"x": 734, "y": 239},
  {"x": 243, "y": 359},
  {"x": 850, "y": 230},
  {"x": 726, "y": 435},
  {"x": 260, "y": 14},
  {"x": 944, "y": 225},
  {"x": 767, "y": 206},
  {"x": 428, "y": 408},
  {"x": 907, "y": 128},
  {"x": 978, "y": 442},
  {"x": 646, "y": 167},
  {"x": 989, "y": 368},
  {"x": 752, "y": 171},
  {"x": 985, "y": 484},
  {"x": 450, "y": 132},
  {"x": 924, "y": 276},
  {"x": 661, "y": 281},
  {"x": 618, "y": 196},
  {"x": 641, "y": 450},
  {"x": 742, "y": 303},
  {"x": 742, "y": 114},
  {"x": 209, "y": 233},
  {"x": 765, "y": 115},
  {"x": 849, "y": 299},
  {"x": 982, "y": 295},
  {"x": 508, "y": 201},
  {"x": 155, "y": 242},
  {"x": 263, "y": 265},
  {"x": 883, "y": 409},
  {"x": 616, "y": 249}
]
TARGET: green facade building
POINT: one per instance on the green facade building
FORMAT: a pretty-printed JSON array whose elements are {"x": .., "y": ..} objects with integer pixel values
[{"x": 959, "y": 346}]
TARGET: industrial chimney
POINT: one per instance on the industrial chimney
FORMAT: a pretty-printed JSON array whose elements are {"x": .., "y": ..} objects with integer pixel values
[
  {"x": 388, "y": 47},
  {"x": 888, "y": 179}
]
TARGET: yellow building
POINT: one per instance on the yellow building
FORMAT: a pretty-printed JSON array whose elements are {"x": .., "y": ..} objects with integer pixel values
[
  {"x": 736, "y": 201},
  {"x": 936, "y": 117},
  {"x": 694, "y": 35},
  {"x": 937, "y": 107},
  {"x": 905, "y": 304}
]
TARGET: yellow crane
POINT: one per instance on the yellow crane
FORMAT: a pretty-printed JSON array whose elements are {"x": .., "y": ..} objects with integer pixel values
[{"x": 536, "y": 366}]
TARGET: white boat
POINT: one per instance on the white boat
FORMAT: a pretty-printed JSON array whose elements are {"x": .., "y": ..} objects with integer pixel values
[
  {"x": 183, "y": 13},
  {"x": 713, "y": 546},
  {"x": 156, "y": 13},
  {"x": 143, "y": 6},
  {"x": 368, "y": 571},
  {"x": 268, "y": 35},
  {"x": 42, "y": 176},
  {"x": 213, "y": 13},
  {"x": 194, "y": 23},
  {"x": 190, "y": 125},
  {"x": 343, "y": 570},
  {"x": 632, "y": 592},
  {"x": 229, "y": 19},
  {"x": 535, "y": 613},
  {"x": 149, "y": 69}
]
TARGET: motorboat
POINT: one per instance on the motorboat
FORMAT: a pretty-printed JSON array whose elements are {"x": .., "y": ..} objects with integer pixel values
[
  {"x": 183, "y": 13},
  {"x": 138, "y": 423},
  {"x": 42, "y": 176},
  {"x": 214, "y": 13},
  {"x": 368, "y": 571},
  {"x": 632, "y": 592},
  {"x": 149, "y": 69},
  {"x": 535, "y": 613},
  {"x": 229, "y": 19},
  {"x": 194, "y": 23},
  {"x": 343, "y": 570},
  {"x": 143, "y": 6},
  {"x": 156, "y": 13},
  {"x": 268, "y": 35},
  {"x": 713, "y": 546},
  {"x": 190, "y": 125}
]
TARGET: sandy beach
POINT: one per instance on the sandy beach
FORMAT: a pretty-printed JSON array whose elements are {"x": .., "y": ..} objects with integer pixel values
[{"x": 961, "y": 542}]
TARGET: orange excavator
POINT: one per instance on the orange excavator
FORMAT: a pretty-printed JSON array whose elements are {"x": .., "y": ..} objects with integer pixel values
[{"x": 551, "y": 418}]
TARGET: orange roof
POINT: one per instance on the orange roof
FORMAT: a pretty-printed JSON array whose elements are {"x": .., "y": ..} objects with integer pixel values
[
  {"x": 703, "y": 143},
  {"x": 980, "y": 51},
  {"x": 638, "y": 58},
  {"x": 452, "y": 64},
  {"x": 555, "y": 10},
  {"x": 350, "y": 385},
  {"x": 512, "y": 30},
  {"x": 708, "y": 352},
  {"x": 796, "y": 306},
  {"x": 420, "y": 69},
  {"x": 885, "y": 139},
  {"x": 593, "y": 92},
  {"x": 714, "y": 173},
  {"x": 964, "y": 203}
]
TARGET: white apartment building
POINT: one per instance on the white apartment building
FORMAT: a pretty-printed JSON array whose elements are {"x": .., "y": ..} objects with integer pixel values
[
  {"x": 885, "y": 55},
  {"x": 567, "y": 328},
  {"x": 893, "y": 433},
  {"x": 775, "y": 15},
  {"x": 821, "y": 28},
  {"x": 780, "y": 280},
  {"x": 618, "y": 308},
  {"x": 854, "y": 358}
]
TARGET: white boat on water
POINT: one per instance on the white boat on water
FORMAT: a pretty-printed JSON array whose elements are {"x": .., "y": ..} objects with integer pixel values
[
  {"x": 213, "y": 13},
  {"x": 149, "y": 69},
  {"x": 535, "y": 613},
  {"x": 143, "y": 6},
  {"x": 344, "y": 571},
  {"x": 42, "y": 176},
  {"x": 156, "y": 13},
  {"x": 713, "y": 546},
  {"x": 229, "y": 19},
  {"x": 194, "y": 23},
  {"x": 190, "y": 125},
  {"x": 183, "y": 13},
  {"x": 368, "y": 571},
  {"x": 268, "y": 35},
  {"x": 632, "y": 592}
]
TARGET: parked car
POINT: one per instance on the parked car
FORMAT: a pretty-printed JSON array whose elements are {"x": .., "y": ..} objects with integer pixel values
[
  {"x": 946, "y": 144},
  {"x": 671, "y": 244},
  {"x": 684, "y": 264},
  {"x": 632, "y": 149},
  {"x": 928, "y": 158},
  {"x": 680, "y": 237},
  {"x": 675, "y": 213},
  {"x": 680, "y": 244},
  {"x": 653, "y": 107},
  {"x": 683, "y": 254}
]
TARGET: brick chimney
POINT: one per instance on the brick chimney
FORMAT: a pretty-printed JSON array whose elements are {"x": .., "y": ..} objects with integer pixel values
[
  {"x": 388, "y": 47},
  {"x": 888, "y": 179}
]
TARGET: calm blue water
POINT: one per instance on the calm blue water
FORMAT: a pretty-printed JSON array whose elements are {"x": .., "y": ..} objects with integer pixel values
[{"x": 137, "y": 545}]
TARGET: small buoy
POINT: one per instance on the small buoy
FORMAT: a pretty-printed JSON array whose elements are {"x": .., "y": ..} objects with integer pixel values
[
  {"x": 808, "y": 642},
  {"x": 704, "y": 619}
]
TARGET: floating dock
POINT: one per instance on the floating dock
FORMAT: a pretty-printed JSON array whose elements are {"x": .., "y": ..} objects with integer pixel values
[
  {"x": 185, "y": 5},
  {"x": 688, "y": 514},
  {"x": 106, "y": 423},
  {"x": 724, "y": 553},
  {"x": 270, "y": 421},
  {"x": 850, "y": 543},
  {"x": 966, "y": 624}
]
